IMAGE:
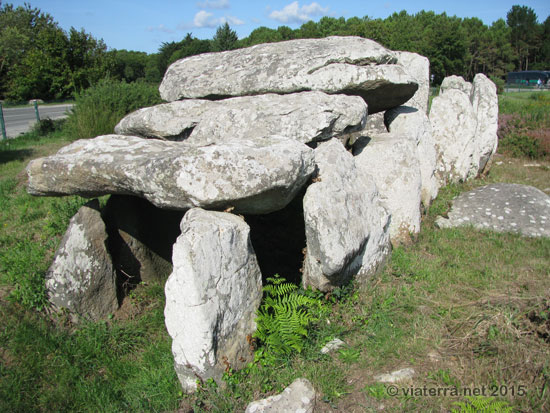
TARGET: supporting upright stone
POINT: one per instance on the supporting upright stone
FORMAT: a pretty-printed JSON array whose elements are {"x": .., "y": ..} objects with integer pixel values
[
  {"x": 211, "y": 296},
  {"x": 392, "y": 162},
  {"x": 485, "y": 104},
  {"x": 454, "y": 124},
  {"x": 81, "y": 278},
  {"x": 406, "y": 120},
  {"x": 345, "y": 223}
]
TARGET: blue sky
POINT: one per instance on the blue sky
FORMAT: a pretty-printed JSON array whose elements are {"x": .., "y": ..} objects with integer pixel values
[{"x": 143, "y": 25}]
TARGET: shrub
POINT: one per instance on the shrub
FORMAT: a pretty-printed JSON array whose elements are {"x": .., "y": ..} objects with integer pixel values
[
  {"x": 47, "y": 126},
  {"x": 98, "y": 109}
]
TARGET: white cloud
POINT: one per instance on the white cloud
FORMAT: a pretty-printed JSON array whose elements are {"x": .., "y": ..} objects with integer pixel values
[
  {"x": 213, "y": 4},
  {"x": 160, "y": 28},
  {"x": 206, "y": 19},
  {"x": 293, "y": 13}
]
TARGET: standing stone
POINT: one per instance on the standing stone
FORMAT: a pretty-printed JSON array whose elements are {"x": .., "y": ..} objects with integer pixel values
[
  {"x": 252, "y": 176},
  {"x": 305, "y": 117},
  {"x": 211, "y": 296},
  {"x": 419, "y": 68},
  {"x": 455, "y": 82},
  {"x": 485, "y": 104},
  {"x": 81, "y": 278},
  {"x": 454, "y": 124},
  {"x": 341, "y": 211},
  {"x": 405, "y": 120},
  {"x": 299, "y": 397},
  {"x": 335, "y": 65},
  {"x": 391, "y": 161}
]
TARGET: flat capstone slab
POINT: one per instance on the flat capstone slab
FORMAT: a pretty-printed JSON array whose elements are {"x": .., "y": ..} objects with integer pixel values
[{"x": 502, "y": 207}]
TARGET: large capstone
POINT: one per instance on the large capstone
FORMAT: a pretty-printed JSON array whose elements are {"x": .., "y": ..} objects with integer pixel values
[
  {"x": 82, "y": 279},
  {"x": 335, "y": 65},
  {"x": 211, "y": 296},
  {"x": 251, "y": 176},
  {"x": 346, "y": 227},
  {"x": 305, "y": 117},
  {"x": 392, "y": 162}
]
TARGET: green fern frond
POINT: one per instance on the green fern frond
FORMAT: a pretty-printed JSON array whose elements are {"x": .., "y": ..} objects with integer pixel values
[
  {"x": 483, "y": 404},
  {"x": 284, "y": 318}
]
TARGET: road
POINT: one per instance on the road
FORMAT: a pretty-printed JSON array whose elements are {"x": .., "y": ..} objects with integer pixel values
[{"x": 20, "y": 120}]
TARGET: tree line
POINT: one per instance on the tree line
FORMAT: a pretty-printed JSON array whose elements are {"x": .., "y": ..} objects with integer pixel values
[{"x": 38, "y": 59}]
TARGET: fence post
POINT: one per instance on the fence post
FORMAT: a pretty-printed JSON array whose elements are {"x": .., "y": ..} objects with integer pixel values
[
  {"x": 3, "y": 125},
  {"x": 36, "y": 110}
]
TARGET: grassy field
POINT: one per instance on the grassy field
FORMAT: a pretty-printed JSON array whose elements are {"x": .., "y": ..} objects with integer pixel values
[{"x": 465, "y": 309}]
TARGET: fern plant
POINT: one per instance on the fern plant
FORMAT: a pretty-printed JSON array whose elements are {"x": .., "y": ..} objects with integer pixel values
[
  {"x": 482, "y": 404},
  {"x": 284, "y": 318}
]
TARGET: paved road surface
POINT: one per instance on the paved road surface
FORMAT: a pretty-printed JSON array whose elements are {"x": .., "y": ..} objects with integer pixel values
[{"x": 20, "y": 120}]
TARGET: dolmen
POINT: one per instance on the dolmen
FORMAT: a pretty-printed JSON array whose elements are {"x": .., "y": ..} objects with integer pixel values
[{"x": 309, "y": 158}]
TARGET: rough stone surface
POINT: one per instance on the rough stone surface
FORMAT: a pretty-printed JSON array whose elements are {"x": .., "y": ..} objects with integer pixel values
[
  {"x": 375, "y": 123},
  {"x": 346, "y": 227},
  {"x": 454, "y": 124},
  {"x": 485, "y": 104},
  {"x": 81, "y": 278},
  {"x": 299, "y": 397},
  {"x": 503, "y": 208},
  {"x": 455, "y": 82},
  {"x": 332, "y": 346},
  {"x": 211, "y": 296},
  {"x": 391, "y": 161},
  {"x": 419, "y": 68},
  {"x": 252, "y": 177},
  {"x": 343, "y": 65},
  {"x": 141, "y": 237},
  {"x": 396, "y": 376},
  {"x": 305, "y": 117},
  {"x": 405, "y": 120}
]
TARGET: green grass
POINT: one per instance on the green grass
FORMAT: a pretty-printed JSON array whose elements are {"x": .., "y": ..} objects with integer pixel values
[{"x": 462, "y": 307}]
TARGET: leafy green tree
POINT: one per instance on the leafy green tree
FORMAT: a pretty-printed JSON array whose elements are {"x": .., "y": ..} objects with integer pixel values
[
  {"x": 225, "y": 38},
  {"x": 87, "y": 59},
  {"x": 39, "y": 60},
  {"x": 522, "y": 21},
  {"x": 263, "y": 35}
]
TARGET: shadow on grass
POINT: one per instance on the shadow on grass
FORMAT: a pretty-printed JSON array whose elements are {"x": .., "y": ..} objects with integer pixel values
[{"x": 9, "y": 155}]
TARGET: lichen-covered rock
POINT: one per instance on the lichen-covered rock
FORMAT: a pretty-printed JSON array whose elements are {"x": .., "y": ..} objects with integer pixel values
[
  {"x": 408, "y": 121},
  {"x": 305, "y": 117},
  {"x": 299, "y": 397},
  {"x": 457, "y": 83},
  {"x": 211, "y": 296},
  {"x": 454, "y": 124},
  {"x": 485, "y": 104},
  {"x": 502, "y": 207},
  {"x": 81, "y": 278},
  {"x": 419, "y": 68},
  {"x": 343, "y": 65},
  {"x": 252, "y": 176},
  {"x": 346, "y": 227},
  {"x": 392, "y": 162}
]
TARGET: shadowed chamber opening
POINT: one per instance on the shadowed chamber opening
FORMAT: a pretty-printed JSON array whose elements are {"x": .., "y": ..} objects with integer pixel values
[
  {"x": 279, "y": 239},
  {"x": 141, "y": 237}
]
